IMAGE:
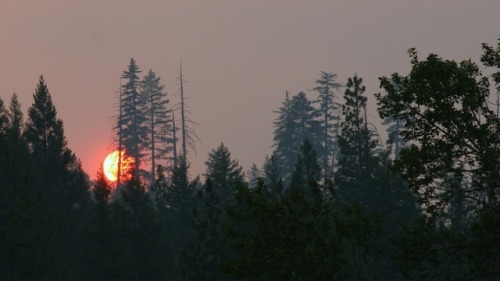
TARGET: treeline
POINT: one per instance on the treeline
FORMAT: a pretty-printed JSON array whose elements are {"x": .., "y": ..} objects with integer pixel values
[{"x": 331, "y": 203}]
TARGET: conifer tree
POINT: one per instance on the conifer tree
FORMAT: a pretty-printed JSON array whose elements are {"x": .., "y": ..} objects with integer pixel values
[
  {"x": 358, "y": 161},
  {"x": 295, "y": 123},
  {"x": 131, "y": 123},
  {"x": 16, "y": 121},
  {"x": 158, "y": 121},
  {"x": 253, "y": 175},
  {"x": 272, "y": 173},
  {"x": 328, "y": 116},
  {"x": 63, "y": 184},
  {"x": 26, "y": 243},
  {"x": 223, "y": 173},
  {"x": 4, "y": 119}
]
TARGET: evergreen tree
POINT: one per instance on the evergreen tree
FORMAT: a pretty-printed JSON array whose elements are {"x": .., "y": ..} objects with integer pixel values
[
  {"x": 141, "y": 234},
  {"x": 223, "y": 173},
  {"x": 253, "y": 176},
  {"x": 16, "y": 121},
  {"x": 4, "y": 119},
  {"x": 328, "y": 116},
  {"x": 223, "y": 176},
  {"x": 295, "y": 123},
  {"x": 357, "y": 161},
  {"x": 131, "y": 123},
  {"x": 26, "y": 251},
  {"x": 99, "y": 256},
  {"x": 293, "y": 237},
  {"x": 63, "y": 184},
  {"x": 307, "y": 169},
  {"x": 176, "y": 204},
  {"x": 272, "y": 172},
  {"x": 158, "y": 123}
]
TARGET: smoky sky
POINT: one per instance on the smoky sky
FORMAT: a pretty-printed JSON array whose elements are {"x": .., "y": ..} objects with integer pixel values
[{"x": 238, "y": 57}]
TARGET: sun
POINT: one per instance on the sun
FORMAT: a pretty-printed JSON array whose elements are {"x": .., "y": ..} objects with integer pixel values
[{"x": 110, "y": 166}]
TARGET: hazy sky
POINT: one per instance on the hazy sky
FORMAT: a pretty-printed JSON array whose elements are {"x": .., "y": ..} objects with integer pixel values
[{"x": 239, "y": 57}]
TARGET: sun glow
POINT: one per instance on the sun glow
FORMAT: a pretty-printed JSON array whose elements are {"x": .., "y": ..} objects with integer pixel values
[{"x": 110, "y": 166}]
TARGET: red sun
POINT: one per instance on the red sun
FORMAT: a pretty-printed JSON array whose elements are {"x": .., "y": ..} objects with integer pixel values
[{"x": 110, "y": 166}]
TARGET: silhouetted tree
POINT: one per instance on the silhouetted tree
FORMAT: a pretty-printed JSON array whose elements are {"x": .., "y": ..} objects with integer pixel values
[
  {"x": 158, "y": 121},
  {"x": 295, "y": 123},
  {"x": 63, "y": 184},
  {"x": 131, "y": 124},
  {"x": 329, "y": 112}
]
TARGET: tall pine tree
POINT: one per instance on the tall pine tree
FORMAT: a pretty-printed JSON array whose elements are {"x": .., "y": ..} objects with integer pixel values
[
  {"x": 328, "y": 116},
  {"x": 131, "y": 127},
  {"x": 159, "y": 124}
]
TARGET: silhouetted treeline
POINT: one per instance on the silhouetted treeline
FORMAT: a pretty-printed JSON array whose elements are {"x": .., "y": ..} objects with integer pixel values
[{"x": 331, "y": 203}]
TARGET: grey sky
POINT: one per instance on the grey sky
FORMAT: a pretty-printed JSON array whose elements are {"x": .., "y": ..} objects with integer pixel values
[{"x": 238, "y": 56}]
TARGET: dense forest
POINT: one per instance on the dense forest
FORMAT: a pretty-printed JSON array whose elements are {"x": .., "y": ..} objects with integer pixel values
[{"x": 333, "y": 201}]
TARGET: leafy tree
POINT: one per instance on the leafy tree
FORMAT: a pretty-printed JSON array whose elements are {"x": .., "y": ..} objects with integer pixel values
[
  {"x": 453, "y": 135},
  {"x": 329, "y": 112},
  {"x": 395, "y": 125},
  {"x": 158, "y": 123},
  {"x": 444, "y": 105}
]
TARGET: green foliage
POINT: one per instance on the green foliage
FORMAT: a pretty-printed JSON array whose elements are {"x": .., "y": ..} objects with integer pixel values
[{"x": 451, "y": 164}]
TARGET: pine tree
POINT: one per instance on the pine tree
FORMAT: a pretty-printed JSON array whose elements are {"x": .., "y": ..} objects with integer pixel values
[
  {"x": 291, "y": 237},
  {"x": 98, "y": 257},
  {"x": 223, "y": 173},
  {"x": 159, "y": 121},
  {"x": 131, "y": 123},
  {"x": 141, "y": 234},
  {"x": 272, "y": 172},
  {"x": 4, "y": 119},
  {"x": 358, "y": 161},
  {"x": 307, "y": 169},
  {"x": 253, "y": 175},
  {"x": 328, "y": 116},
  {"x": 63, "y": 185},
  {"x": 295, "y": 123},
  {"x": 223, "y": 176},
  {"x": 16, "y": 121}
]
